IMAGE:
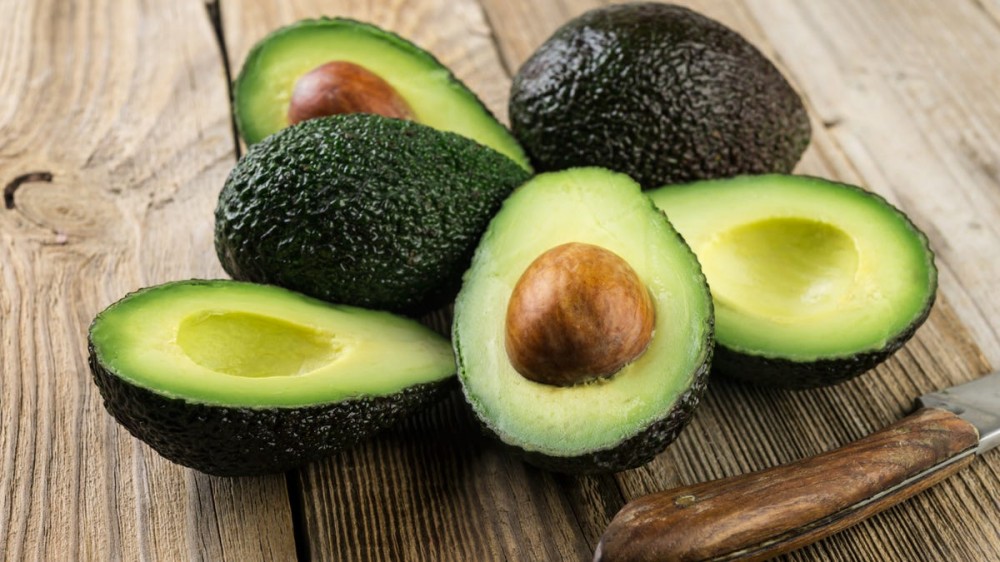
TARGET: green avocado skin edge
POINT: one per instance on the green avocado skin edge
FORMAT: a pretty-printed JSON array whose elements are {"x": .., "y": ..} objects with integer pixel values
[
  {"x": 780, "y": 372},
  {"x": 633, "y": 452},
  {"x": 242, "y": 441}
]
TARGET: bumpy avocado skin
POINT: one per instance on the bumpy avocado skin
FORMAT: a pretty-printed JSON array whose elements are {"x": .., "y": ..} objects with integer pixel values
[
  {"x": 658, "y": 92},
  {"x": 236, "y": 441},
  {"x": 361, "y": 210},
  {"x": 785, "y": 373}
]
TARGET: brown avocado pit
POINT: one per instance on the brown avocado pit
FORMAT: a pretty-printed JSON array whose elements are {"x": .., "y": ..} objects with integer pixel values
[
  {"x": 343, "y": 87},
  {"x": 579, "y": 312}
]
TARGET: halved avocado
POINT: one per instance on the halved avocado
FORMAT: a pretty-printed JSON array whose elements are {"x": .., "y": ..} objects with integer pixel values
[
  {"x": 428, "y": 91},
  {"x": 814, "y": 281},
  {"x": 567, "y": 274},
  {"x": 234, "y": 378}
]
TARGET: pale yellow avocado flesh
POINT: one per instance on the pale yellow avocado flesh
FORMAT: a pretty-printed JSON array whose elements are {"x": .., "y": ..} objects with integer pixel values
[
  {"x": 598, "y": 207},
  {"x": 250, "y": 345},
  {"x": 800, "y": 267},
  {"x": 240, "y": 344},
  {"x": 782, "y": 268}
]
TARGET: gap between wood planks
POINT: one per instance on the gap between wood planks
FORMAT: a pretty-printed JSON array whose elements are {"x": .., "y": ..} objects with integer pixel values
[
  {"x": 495, "y": 41},
  {"x": 213, "y": 10}
]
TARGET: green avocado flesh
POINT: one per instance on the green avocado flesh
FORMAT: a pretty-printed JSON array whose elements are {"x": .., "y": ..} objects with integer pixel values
[
  {"x": 608, "y": 424},
  {"x": 361, "y": 210},
  {"x": 659, "y": 92},
  {"x": 264, "y": 86},
  {"x": 237, "y": 378},
  {"x": 803, "y": 271}
]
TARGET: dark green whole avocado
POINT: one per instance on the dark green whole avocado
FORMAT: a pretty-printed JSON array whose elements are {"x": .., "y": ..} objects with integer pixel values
[
  {"x": 583, "y": 331},
  {"x": 814, "y": 281},
  {"x": 362, "y": 210},
  {"x": 658, "y": 92},
  {"x": 338, "y": 65},
  {"x": 237, "y": 379}
]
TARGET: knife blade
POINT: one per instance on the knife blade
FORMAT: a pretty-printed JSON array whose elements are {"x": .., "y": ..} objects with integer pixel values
[{"x": 762, "y": 514}]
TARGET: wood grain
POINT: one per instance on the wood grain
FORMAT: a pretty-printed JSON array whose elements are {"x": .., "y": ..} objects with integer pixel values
[
  {"x": 122, "y": 144},
  {"x": 758, "y": 515}
]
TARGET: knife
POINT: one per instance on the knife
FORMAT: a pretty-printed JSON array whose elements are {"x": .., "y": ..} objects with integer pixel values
[{"x": 759, "y": 515}]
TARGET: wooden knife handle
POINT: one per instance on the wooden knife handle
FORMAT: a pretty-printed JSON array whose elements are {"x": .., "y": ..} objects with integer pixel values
[{"x": 763, "y": 514}]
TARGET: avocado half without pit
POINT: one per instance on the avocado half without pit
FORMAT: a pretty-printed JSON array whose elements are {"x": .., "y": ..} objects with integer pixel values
[
  {"x": 583, "y": 329},
  {"x": 325, "y": 66},
  {"x": 236, "y": 379},
  {"x": 814, "y": 281}
]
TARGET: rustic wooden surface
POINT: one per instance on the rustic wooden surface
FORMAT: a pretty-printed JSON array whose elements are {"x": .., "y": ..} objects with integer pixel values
[{"x": 115, "y": 137}]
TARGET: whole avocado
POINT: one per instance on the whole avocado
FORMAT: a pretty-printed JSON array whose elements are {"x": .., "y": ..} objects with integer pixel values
[
  {"x": 361, "y": 210},
  {"x": 658, "y": 92}
]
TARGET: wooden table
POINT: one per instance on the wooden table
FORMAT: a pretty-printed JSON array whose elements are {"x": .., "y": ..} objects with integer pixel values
[{"x": 116, "y": 136}]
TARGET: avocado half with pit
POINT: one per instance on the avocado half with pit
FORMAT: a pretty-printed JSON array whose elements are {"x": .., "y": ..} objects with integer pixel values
[
  {"x": 361, "y": 210},
  {"x": 814, "y": 281},
  {"x": 237, "y": 379},
  {"x": 583, "y": 330},
  {"x": 329, "y": 66}
]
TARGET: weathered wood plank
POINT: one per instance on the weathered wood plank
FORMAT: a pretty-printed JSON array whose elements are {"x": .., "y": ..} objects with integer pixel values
[
  {"x": 124, "y": 108},
  {"x": 740, "y": 428}
]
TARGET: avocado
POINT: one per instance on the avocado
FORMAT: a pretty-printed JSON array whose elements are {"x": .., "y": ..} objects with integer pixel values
[
  {"x": 325, "y": 66},
  {"x": 658, "y": 92},
  {"x": 814, "y": 281},
  {"x": 583, "y": 330},
  {"x": 362, "y": 210},
  {"x": 236, "y": 379}
]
